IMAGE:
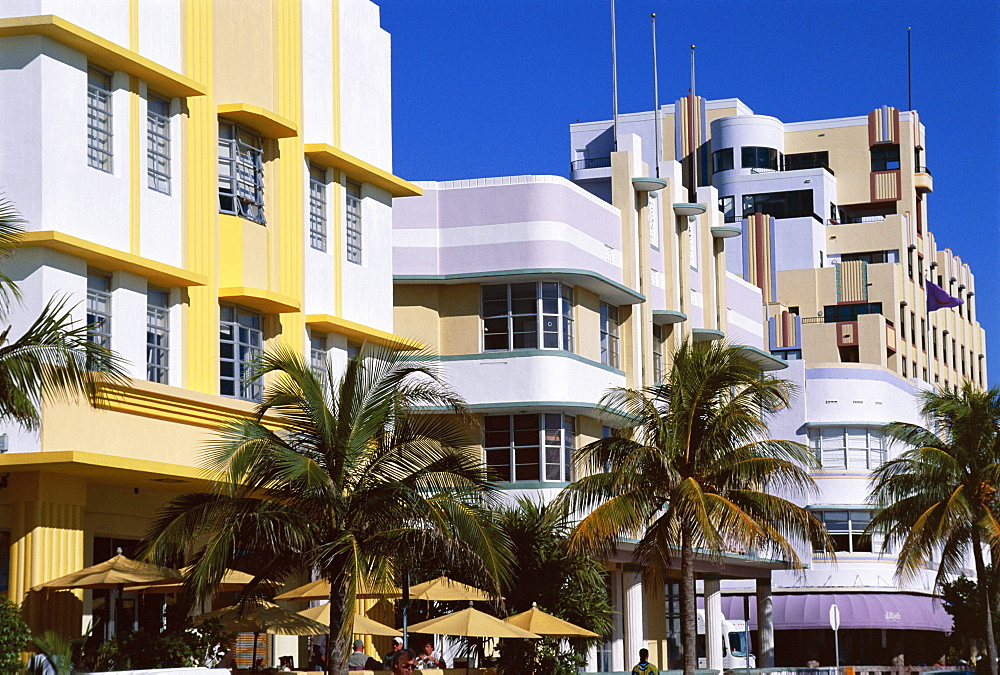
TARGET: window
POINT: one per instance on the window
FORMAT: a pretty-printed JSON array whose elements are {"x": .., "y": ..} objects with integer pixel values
[
  {"x": 849, "y": 353},
  {"x": 885, "y": 157},
  {"x": 157, "y": 335},
  {"x": 920, "y": 270},
  {"x": 513, "y": 314},
  {"x": 913, "y": 328},
  {"x": 847, "y": 447},
  {"x": 836, "y": 313},
  {"x": 241, "y": 172},
  {"x": 317, "y": 355},
  {"x": 99, "y": 310},
  {"x": 807, "y": 160},
  {"x": 847, "y": 529},
  {"x": 99, "y": 150},
  {"x": 759, "y": 158},
  {"x": 788, "y": 354},
  {"x": 934, "y": 341},
  {"x": 529, "y": 447},
  {"x": 317, "y": 208},
  {"x": 791, "y": 204},
  {"x": 722, "y": 160},
  {"x": 353, "y": 223},
  {"x": 158, "y": 144},
  {"x": 870, "y": 257},
  {"x": 909, "y": 265},
  {"x": 240, "y": 342},
  {"x": 609, "y": 335},
  {"x": 727, "y": 205},
  {"x": 923, "y": 334},
  {"x": 658, "y": 369}
]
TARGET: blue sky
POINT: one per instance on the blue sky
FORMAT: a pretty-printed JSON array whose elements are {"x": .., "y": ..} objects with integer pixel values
[{"x": 489, "y": 87}]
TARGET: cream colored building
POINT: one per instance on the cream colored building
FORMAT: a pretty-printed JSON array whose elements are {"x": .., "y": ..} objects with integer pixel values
[{"x": 203, "y": 180}]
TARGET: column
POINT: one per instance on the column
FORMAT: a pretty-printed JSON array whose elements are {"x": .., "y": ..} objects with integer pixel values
[
  {"x": 46, "y": 542},
  {"x": 618, "y": 627},
  {"x": 713, "y": 624},
  {"x": 765, "y": 624},
  {"x": 635, "y": 627}
]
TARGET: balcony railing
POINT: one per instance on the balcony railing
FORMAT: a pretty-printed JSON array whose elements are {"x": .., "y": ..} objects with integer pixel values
[
  {"x": 590, "y": 163},
  {"x": 922, "y": 169},
  {"x": 854, "y": 220}
]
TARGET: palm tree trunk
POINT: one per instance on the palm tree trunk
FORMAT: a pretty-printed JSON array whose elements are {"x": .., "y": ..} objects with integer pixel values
[
  {"x": 987, "y": 600},
  {"x": 689, "y": 612},
  {"x": 336, "y": 643}
]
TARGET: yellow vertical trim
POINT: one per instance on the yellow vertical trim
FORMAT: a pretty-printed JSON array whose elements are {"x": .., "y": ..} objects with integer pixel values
[
  {"x": 200, "y": 209},
  {"x": 287, "y": 233},
  {"x": 338, "y": 192},
  {"x": 133, "y": 25}
]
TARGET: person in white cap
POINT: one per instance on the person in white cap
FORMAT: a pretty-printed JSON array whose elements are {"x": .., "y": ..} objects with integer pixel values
[{"x": 397, "y": 644}]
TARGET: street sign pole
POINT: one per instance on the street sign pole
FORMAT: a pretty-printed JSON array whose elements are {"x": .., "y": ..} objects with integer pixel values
[{"x": 835, "y": 625}]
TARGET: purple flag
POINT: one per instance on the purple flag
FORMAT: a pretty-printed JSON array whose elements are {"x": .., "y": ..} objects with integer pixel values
[{"x": 937, "y": 297}]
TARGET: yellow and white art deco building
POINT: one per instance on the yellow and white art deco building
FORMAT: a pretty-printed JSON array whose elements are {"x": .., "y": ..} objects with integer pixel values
[{"x": 203, "y": 180}]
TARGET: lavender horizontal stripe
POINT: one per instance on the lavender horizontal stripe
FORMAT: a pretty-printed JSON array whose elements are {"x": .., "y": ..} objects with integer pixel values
[
  {"x": 858, "y": 611},
  {"x": 527, "y": 202},
  {"x": 486, "y": 258}
]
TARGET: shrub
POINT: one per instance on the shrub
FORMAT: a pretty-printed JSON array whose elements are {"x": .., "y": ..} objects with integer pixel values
[{"x": 14, "y": 637}]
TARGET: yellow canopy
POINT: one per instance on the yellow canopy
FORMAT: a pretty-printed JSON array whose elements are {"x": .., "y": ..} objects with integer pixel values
[
  {"x": 232, "y": 580},
  {"x": 263, "y": 618},
  {"x": 114, "y": 572},
  {"x": 320, "y": 590},
  {"x": 362, "y": 624},
  {"x": 537, "y": 621},
  {"x": 471, "y": 622},
  {"x": 444, "y": 589}
]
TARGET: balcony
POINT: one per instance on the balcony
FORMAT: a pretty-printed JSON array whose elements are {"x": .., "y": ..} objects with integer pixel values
[
  {"x": 590, "y": 168},
  {"x": 922, "y": 179}
]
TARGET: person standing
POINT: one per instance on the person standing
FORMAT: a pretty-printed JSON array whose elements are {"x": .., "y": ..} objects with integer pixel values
[
  {"x": 316, "y": 659},
  {"x": 644, "y": 666}
]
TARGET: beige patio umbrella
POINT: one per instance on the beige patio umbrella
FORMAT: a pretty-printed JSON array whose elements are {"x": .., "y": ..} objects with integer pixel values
[
  {"x": 320, "y": 590},
  {"x": 444, "y": 589},
  {"x": 114, "y": 573},
  {"x": 265, "y": 617},
  {"x": 542, "y": 623},
  {"x": 471, "y": 622},
  {"x": 232, "y": 580},
  {"x": 362, "y": 624}
]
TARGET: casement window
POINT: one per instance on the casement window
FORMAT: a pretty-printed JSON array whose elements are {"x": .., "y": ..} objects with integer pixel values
[
  {"x": 241, "y": 172},
  {"x": 870, "y": 257},
  {"x": 885, "y": 157},
  {"x": 788, "y": 204},
  {"x": 529, "y": 447},
  {"x": 241, "y": 339},
  {"x": 530, "y": 315},
  {"x": 99, "y": 310},
  {"x": 847, "y": 529},
  {"x": 658, "y": 365},
  {"x": 99, "y": 135},
  {"x": 848, "y": 447},
  {"x": 759, "y": 158},
  {"x": 808, "y": 160},
  {"x": 609, "y": 335},
  {"x": 317, "y": 208},
  {"x": 157, "y": 335},
  {"x": 722, "y": 160},
  {"x": 158, "y": 144},
  {"x": 317, "y": 355},
  {"x": 353, "y": 224},
  {"x": 727, "y": 206}
]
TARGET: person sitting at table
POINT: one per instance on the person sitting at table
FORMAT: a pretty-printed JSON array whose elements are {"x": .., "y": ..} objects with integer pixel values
[{"x": 428, "y": 658}]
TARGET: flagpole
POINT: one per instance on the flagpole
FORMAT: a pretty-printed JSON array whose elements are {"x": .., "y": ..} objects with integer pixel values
[
  {"x": 614, "y": 78},
  {"x": 693, "y": 188},
  {"x": 656, "y": 103},
  {"x": 909, "y": 73}
]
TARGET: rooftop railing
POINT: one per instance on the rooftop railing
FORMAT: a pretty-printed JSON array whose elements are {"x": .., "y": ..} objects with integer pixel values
[{"x": 590, "y": 163}]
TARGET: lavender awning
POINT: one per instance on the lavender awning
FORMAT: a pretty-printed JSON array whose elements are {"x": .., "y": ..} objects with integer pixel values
[{"x": 895, "y": 611}]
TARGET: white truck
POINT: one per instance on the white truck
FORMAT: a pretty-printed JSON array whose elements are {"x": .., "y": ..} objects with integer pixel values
[{"x": 735, "y": 643}]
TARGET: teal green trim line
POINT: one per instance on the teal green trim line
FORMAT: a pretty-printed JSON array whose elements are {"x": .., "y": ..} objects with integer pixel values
[
  {"x": 531, "y": 485},
  {"x": 517, "y": 405},
  {"x": 636, "y": 296},
  {"x": 522, "y": 353}
]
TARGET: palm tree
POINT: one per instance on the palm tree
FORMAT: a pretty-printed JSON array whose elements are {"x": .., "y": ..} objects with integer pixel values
[
  {"x": 941, "y": 493},
  {"x": 341, "y": 477},
  {"x": 693, "y": 468},
  {"x": 53, "y": 358}
]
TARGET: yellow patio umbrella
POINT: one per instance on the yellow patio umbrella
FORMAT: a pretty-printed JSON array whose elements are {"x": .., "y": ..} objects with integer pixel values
[
  {"x": 320, "y": 590},
  {"x": 471, "y": 622},
  {"x": 232, "y": 580},
  {"x": 444, "y": 589},
  {"x": 542, "y": 623},
  {"x": 115, "y": 573},
  {"x": 264, "y": 617},
  {"x": 362, "y": 624}
]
